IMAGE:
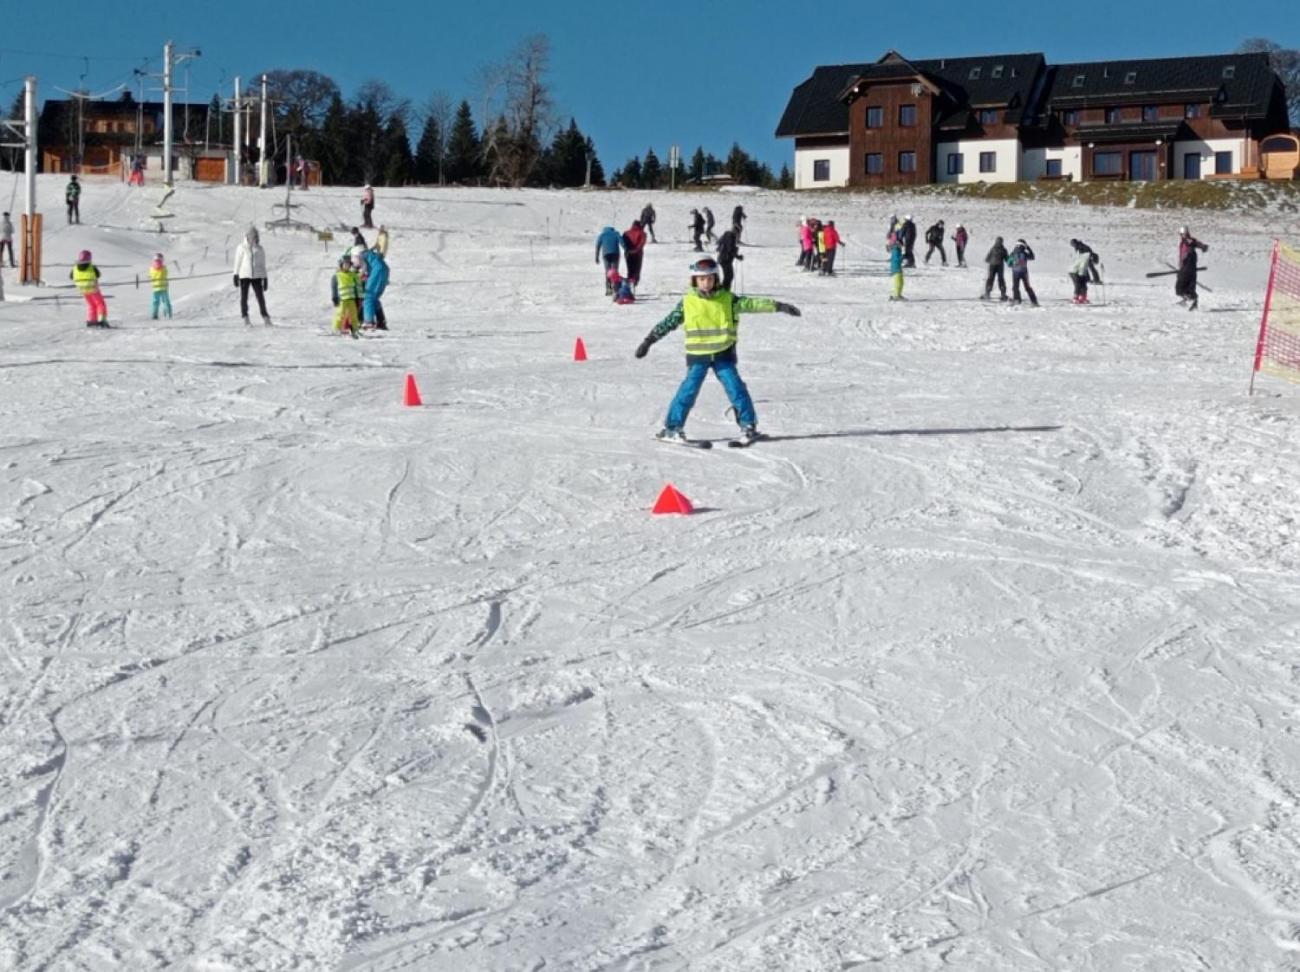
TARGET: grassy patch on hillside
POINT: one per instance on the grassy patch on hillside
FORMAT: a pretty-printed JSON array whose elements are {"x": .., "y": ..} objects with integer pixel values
[{"x": 1221, "y": 194}]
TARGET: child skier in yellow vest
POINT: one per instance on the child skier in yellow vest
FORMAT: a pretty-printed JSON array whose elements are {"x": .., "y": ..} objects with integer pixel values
[
  {"x": 158, "y": 278},
  {"x": 345, "y": 292},
  {"x": 708, "y": 313},
  {"x": 85, "y": 275}
]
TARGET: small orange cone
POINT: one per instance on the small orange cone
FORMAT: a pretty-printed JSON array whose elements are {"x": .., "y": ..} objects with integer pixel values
[
  {"x": 411, "y": 396},
  {"x": 579, "y": 351},
  {"x": 671, "y": 501}
]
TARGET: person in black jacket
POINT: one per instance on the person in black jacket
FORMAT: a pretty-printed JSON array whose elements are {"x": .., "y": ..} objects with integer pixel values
[
  {"x": 648, "y": 221},
  {"x": 909, "y": 242},
  {"x": 1094, "y": 258},
  {"x": 996, "y": 260},
  {"x": 728, "y": 253},
  {"x": 708, "y": 224},
  {"x": 934, "y": 237},
  {"x": 697, "y": 229},
  {"x": 738, "y": 222},
  {"x": 1185, "y": 282}
]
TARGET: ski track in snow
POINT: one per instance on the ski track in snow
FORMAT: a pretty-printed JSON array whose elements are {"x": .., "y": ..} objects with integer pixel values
[{"x": 987, "y": 660}]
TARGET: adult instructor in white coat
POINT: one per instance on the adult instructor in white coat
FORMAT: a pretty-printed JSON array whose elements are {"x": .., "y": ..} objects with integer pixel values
[{"x": 250, "y": 271}]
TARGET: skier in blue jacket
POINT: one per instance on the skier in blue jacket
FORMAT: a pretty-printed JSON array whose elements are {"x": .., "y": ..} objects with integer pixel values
[
  {"x": 607, "y": 250},
  {"x": 372, "y": 311}
]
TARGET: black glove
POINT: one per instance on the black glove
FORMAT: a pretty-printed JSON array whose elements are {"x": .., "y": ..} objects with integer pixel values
[
  {"x": 739, "y": 257},
  {"x": 643, "y": 348},
  {"x": 236, "y": 281},
  {"x": 788, "y": 309}
]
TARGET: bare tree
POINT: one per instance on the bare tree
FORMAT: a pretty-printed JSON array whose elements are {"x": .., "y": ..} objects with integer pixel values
[
  {"x": 518, "y": 94},
  {"x": 436, "y": 116},
  {"x": 1284, "y": 61}
]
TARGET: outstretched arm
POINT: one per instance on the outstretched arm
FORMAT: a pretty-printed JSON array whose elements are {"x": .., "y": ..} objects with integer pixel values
[{"x": 670, "y": 323}]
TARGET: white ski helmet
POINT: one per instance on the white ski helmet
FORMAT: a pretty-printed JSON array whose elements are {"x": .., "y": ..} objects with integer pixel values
[{"x": 1182, "y": 231}]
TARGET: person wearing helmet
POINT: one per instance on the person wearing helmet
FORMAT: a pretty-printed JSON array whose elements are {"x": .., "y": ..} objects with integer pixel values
[
  {"x": 895, "y": 248},
  {"x": 908, "y": 232},
  {"x": 1094, "y": 258},
  {"x": 633, "y": 240},
  {"x": 345, "y": 292},
  {"x": 934, "y": 240},
  {"x": 996, "y": 260},
  {"x": 1018, "y": 260},
  {"x": 162, "y": 300},
  {"x": 1185, "y": 281},
  {"x": 709, "y": 316},
  {"x": 959, "y": 240},
  {"x": 367, "y": 206},
  {"x": 85, "y": 276}
]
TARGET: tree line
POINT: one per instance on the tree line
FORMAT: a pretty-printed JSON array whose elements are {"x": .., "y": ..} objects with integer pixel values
[{"x": 652, "y": 173}]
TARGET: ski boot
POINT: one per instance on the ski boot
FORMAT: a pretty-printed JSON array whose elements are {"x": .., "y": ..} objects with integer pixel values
[{"x": 671, "y": 435}]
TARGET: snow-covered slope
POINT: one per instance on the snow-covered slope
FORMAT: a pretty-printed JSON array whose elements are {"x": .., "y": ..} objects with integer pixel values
[{"x": 988, "y": 660}]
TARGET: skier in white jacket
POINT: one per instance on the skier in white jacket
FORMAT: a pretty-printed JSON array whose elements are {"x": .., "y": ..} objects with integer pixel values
[{"x": 250, "y": 271}]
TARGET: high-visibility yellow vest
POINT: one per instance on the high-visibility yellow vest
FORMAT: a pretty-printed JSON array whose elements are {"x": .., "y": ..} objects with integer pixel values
[
  {"x": 348, "y": 287},
  {"x": 87, "y": 280},
  {"x": 710, "y": 322},
  {"x": 159, "y": 277}
]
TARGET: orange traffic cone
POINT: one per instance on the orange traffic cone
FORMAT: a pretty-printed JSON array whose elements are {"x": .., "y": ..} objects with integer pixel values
[
  {"x": 411, "y": 396},
  {"x": 671, "y": 501},
  {"x": 579, "y": 351}
]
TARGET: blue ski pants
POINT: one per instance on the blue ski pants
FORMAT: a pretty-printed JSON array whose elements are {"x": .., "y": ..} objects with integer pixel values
[
  {"x": 732, "y": 383},
  {"x": 161, "y": 301}
]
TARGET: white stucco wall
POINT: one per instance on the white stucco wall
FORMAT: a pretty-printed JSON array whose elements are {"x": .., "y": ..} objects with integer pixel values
[
  {"x": 1006, "y": 153},
  {"x": 1033, "y": 162},
  {"x": 804, "y": 158},
  {"x": 1206, "y": 149}
]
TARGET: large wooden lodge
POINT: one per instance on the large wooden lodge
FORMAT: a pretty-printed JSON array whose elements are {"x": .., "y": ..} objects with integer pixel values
[{"x": 1014, "y": 117}]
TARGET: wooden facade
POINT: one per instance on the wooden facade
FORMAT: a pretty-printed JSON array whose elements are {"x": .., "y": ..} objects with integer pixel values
[{"x": 1141, "y": 120}]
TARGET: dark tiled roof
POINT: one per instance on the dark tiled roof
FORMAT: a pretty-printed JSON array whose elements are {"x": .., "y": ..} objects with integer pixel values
[
  {"x": 1000, "y": 80},
  {"x": 54, "y": 110},
  {"x": 1239, "y": 84},
  {"x": 814, "y": 107}
]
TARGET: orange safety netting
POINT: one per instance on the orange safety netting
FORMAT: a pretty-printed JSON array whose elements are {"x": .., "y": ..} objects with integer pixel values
[{"x": 1278, "y": 349}]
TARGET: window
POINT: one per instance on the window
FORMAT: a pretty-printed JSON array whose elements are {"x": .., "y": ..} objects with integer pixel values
[
  {"x": 988, "y": 161},
  {"x": 1131, "y": 77},
  {"x": 996, "y": 72},
  {"x": 1078, "y": 80},
  {"x": 1191, "y": 111},
  {"x": 875, "y": 117},
  {"x": 821, "y": 170},
  {"x": 1150, "y": 113},
  {"x": 1107, "y": 163},
  {"x": 1229, "y": 72},
  {"x": 974, "y": 74},
  {"x": 1114, "y": 116},
  {"x": 1223, "y": 163},
  {"x": 988, "y": 116},
  {"x": 955, "y": 164},
  {"x": 907, "y": 115},
  {"x": 1054, "y": 168},
  {"x": 875, "y": 163},
  {"x": 1070, "y": 117},
  {"x": 906, "y": 161}
]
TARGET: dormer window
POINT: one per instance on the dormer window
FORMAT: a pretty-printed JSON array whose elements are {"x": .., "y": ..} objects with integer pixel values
[
  {"x": 1229, "y": 72},
  {"x": 996, "y": 72},
  {"x": 974, "y": 74},
  {"x": 1105, "y": 72},
  {"x": 1078, "y": 80},
  {"x": 1131, "y": 77}
]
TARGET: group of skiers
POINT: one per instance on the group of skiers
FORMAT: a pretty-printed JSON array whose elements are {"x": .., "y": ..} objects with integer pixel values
[
  {"x": 85, "y": 277},
  {"x": 818, "y": 244},
  {"x": 358, "y": 284},
  {"x": 702, "y": 223}
]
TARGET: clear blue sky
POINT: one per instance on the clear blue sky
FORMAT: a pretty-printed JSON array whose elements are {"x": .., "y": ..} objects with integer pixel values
[{"x": 633, "y": 75}]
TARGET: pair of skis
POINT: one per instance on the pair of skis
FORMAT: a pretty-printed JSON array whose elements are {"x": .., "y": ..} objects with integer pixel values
[{"x": 743, "y": 442}]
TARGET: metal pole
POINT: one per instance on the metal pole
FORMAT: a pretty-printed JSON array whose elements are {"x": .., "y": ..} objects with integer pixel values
[
  {"x": 261, "y": 153},
  {"x": 29, "y": 123},
  {"x": 239, "y": 136},
  {"x": 167, "y": 114}
]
